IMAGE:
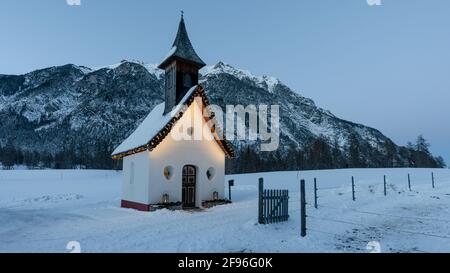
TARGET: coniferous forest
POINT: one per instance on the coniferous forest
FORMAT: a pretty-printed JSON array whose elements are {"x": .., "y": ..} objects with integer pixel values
[{"x": 317, "y": 155}]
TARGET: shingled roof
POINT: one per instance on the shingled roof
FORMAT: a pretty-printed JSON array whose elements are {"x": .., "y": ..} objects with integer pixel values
[{"x": 182, "y": 49}]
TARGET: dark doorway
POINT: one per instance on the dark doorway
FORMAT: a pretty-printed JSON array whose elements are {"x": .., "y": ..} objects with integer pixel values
[{"x": 188, "y": 186}]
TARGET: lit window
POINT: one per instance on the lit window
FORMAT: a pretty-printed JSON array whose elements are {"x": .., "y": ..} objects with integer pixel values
[{"x": 168, "y": 172}]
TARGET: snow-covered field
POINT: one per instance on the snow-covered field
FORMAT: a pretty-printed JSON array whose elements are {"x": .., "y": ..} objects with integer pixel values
[{"x": 41, "y": 211}]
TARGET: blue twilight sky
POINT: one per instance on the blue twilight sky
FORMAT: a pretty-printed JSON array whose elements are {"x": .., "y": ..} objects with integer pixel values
[{"x": 384, "y": 66}]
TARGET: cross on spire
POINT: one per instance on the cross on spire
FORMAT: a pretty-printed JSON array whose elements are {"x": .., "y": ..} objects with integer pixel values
[{"x": 182, "y": 14}]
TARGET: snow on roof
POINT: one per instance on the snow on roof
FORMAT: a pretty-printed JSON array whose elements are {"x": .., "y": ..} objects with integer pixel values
[
  {"x": 170, "y": 54},
  {"x": 151, "y": 125}
]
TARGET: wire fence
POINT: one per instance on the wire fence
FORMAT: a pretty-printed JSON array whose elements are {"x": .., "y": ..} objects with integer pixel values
[
  {"x": 385, "y": 228},
  {"x": 316, "y": 220}
]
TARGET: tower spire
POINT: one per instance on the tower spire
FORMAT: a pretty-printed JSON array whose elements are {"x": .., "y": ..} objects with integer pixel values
[
  {"x": 182, "y": 48},
  {"x": 181, "y": 67}
]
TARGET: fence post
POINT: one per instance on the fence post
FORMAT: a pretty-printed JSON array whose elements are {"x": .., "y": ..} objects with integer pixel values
[
  {"x": 409, "y": 182},
  {"x": 432, "y": 179},
  {"x": 286, "y": 207},
  {"x": 260, "y": 201},
  {"x": 315, "y": 193},
  {"x": 230, "y": 183},
  {"x": 270, "y": 215},
  {"x": 353, "y": 188},
  {"x": 384, "y": 185},
  {"x": 302, "y": 208}
]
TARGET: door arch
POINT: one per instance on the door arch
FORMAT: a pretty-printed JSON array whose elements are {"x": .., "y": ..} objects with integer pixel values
[{"x": 189, "y": 180}]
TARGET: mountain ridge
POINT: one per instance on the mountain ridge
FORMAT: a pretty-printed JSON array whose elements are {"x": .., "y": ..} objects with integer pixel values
[{"x": 77, "y": 108}]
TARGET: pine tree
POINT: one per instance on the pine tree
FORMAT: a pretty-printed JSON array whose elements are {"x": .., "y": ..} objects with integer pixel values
[
  {"x": 9, "y": 155},
  {"x": 422, "y": 145},
  {"x": 321, "y": 154},
  {"x": 291, "y": 158},
  {"x": 19, "y": 157},
  {"x": 1, "y": 153},
  {"x": 336, "y": 154},
  {"x": 421, "y": 156},
  {"x": 354, "y": 152},
  {"x": 390, "y": 154},
  {"x": 441, "y": 162}
]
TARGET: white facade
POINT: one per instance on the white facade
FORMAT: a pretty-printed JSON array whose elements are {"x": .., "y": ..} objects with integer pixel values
[{"x": 144, "y": 181}]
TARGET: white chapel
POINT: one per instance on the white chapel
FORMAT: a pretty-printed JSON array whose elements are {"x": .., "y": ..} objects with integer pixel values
[{"x": 175, "y": 155}]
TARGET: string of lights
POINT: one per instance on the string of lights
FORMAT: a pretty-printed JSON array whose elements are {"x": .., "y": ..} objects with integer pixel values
[{"x": 159, "y": 137}]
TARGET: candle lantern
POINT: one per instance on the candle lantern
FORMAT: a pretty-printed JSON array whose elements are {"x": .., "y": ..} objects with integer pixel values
[{"x": 165, "y": 198}]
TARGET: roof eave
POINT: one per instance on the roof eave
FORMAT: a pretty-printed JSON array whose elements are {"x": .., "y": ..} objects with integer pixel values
[
  {"x": 172, "y": 58},
  {"x": 225, "y": 145}
]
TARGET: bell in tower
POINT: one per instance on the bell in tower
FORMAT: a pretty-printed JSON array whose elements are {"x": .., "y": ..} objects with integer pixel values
[{"x": 181, "y": 68}]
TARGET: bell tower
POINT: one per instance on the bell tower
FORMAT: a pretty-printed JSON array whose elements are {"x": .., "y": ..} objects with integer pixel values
[{"x": 181, "y": 68}]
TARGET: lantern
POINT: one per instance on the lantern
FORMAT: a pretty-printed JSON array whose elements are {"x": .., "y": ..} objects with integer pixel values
[
  {"x": 165, "y": 198},
  {"x": 215, "y": 196}
]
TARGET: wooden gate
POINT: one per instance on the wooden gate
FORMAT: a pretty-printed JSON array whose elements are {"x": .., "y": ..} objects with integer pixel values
[{"x": 273, "y": 205}]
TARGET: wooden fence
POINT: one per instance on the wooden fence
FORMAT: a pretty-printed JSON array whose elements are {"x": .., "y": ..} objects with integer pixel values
[{"x": 273, "y": 205}]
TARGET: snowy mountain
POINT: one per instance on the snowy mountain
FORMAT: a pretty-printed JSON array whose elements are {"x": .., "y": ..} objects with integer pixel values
[{"x": 81, "y": 109}]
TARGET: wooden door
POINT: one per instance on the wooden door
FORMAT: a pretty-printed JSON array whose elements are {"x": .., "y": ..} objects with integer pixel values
[{"x": 189, "y": 179}]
